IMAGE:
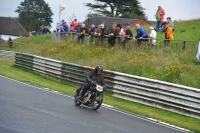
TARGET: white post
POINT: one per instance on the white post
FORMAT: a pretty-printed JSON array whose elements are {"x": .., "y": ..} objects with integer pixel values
[{"x": 59, "y": 14}]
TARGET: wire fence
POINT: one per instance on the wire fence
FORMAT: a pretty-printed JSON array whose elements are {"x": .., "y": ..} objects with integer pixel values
[{"x": 127, "y": 43}]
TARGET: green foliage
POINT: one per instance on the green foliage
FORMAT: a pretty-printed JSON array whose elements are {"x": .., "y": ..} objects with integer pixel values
[
  {"x": 117, "y": 8},
  {"x": 34, "y": 13}
]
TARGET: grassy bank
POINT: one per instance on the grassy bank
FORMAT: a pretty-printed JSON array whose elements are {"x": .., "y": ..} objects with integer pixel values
[
  {"x": 171, "y": 64},
  {"x": 157, "y": 63},
  {"x": 9, "y": 70}
]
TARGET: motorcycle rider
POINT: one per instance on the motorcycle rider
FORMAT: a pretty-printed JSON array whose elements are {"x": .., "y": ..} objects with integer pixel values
[{"x": 93, "y": 76}]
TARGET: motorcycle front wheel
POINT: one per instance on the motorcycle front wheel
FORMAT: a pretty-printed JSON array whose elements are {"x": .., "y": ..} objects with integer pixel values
[{"x": 97, "y": 101}]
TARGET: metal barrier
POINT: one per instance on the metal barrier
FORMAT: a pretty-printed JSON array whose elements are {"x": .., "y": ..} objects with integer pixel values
[{"x": 175, "y": 98}]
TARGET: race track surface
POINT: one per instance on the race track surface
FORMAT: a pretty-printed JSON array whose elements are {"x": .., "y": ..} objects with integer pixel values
[{"x": 28, "y": 109}]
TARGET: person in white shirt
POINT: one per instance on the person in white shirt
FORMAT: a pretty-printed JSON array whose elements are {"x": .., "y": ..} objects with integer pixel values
[{"x": 152, "y": 35}]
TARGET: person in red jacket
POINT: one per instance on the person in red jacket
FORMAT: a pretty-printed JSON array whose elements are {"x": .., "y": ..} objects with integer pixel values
[{"x": 159, "y": 16}]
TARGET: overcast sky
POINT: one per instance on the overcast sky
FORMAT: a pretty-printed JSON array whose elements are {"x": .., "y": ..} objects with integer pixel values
[{"x": 176, "y": 9}]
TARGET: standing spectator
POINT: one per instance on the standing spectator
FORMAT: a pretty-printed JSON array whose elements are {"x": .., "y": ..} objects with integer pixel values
[
  {"x": 73, "y": 25},
  {"x": 141, "y": 33},
  {"x": 162, "y": 25},
  {"x": 152, "y": 35},
  {"x": 168, "y": 28},
  {"x": 82, "y": 34},
  {"x": 113, "y": 34},
  {"x": 159, "y": 16},
  {"x": 169, "y": 23}
]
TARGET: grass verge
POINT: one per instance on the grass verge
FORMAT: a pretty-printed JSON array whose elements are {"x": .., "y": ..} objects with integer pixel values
[{"x": 8, "y": 69}]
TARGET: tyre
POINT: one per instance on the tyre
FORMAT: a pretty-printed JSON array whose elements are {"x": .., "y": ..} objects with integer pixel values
[
  {"x": 97, "y": 101},
  {"x": 76, "y": 99}
]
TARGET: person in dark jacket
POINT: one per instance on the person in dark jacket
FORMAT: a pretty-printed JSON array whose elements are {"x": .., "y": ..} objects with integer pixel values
[
  {"x": 46, "y": 30},
  {"x": 105, "y": 30},
  {"x": 113, "y": 34},
  {"x": 93, "y": 76}
]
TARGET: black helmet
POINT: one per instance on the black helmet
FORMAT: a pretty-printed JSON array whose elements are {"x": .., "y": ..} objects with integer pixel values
[{"x": 98, "y": 68}]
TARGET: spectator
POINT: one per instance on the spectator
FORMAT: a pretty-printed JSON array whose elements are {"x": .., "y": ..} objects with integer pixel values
[
  {"x": 128, "y": 35},
  {"x": 10, "y": 42},
  {"x": 168, "y": 28},
  {"x": 62, "y": 23},
  {"x": 152, "y": 35},
  {"x": 73, "y": 25},
  {"x": 169, "y": 23},
  {"x": 62, "y": 33},
  {"x": 82, "y": 34},
  {"x": 46, "y": 30},
  {"x": 78, "y": 30},
  {"x": 141, "y": 33},
  {"x": 105, "y": 30},
  {"x": 128, "y": 31},
  {"x": 162, "y": 25},
  {"x": 93, "y": 32},
  {"x": 29, "y": 34},
  {"x": 121, "y": 33},
  {"x": 33, "y": 33},
  {"x": 41, "y": 30},
  {"x": 65, "y": 27},
  {"x": 159, "y": 16},
  {"x": 112, "y": 36}
]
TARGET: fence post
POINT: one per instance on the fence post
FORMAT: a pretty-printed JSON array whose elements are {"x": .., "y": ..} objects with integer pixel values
[{"x": 184, "y": 46}]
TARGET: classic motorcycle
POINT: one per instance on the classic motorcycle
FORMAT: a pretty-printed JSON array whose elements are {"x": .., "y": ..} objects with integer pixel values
[{"x": 92, "y": 97}]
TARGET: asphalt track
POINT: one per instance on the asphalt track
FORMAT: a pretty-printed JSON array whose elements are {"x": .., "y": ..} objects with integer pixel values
[{"x": 28, "y": 109}]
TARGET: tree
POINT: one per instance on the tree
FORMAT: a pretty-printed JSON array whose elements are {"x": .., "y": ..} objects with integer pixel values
[
  {"x": 34, "y": 13},
  {"x": 117, "y": 8}
]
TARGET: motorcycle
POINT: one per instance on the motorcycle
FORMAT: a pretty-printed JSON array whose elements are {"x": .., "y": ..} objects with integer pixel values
[{"x": 92, "y": 97}]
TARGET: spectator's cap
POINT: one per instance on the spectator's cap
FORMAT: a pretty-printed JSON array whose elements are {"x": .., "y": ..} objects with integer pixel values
[
  {"x": 151, "y": 27},
  {"x": 169, "y": 18}
]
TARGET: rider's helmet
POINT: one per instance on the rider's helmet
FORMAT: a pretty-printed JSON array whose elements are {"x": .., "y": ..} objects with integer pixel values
[{"x": 98, "y": 69}]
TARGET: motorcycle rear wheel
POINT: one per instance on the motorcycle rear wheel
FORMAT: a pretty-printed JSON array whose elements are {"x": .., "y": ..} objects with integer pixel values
[{"x": 76, "y": 99}]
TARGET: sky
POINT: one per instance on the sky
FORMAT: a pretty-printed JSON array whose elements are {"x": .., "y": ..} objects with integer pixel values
[{"x": 176, "y": 9}]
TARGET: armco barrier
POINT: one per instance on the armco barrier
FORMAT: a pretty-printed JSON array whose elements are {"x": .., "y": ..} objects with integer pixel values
[{"x": 175, "y": 98}]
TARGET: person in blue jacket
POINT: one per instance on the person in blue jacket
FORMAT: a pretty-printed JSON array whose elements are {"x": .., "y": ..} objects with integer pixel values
[{"x": 141, "y": 33}]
